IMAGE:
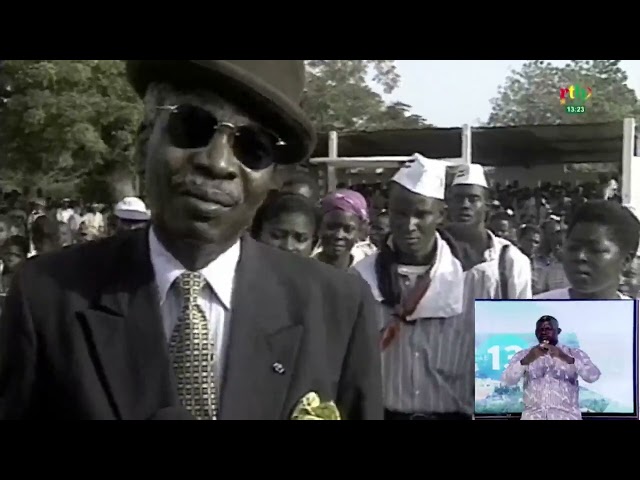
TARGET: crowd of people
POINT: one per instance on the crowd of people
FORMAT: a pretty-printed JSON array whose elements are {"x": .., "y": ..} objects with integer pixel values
[
  {"x": 242, "y": 302},
  {"x": 33, "y": 226}
]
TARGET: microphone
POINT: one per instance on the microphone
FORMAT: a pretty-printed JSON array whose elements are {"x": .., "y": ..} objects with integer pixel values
[{"x": 172, "y": 413}]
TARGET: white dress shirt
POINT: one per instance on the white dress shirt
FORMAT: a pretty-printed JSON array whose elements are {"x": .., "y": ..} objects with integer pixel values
[
  {"x": 484, "y": 278},
  {"x": 215, "y": 297}
]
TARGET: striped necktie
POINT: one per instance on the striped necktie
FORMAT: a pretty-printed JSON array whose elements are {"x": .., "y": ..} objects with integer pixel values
[{"x": 192, "y": 352}]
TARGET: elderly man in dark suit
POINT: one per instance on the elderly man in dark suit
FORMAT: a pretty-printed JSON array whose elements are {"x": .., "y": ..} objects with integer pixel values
[{"x": 190, "y": 318}]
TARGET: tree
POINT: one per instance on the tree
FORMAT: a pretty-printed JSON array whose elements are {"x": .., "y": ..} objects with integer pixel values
[
  {"x": 339, "y": 97},
  {"x": 531, "y": 96},
  {"x": 71, "y": 124},
  {"x": 68, "y": 121}
]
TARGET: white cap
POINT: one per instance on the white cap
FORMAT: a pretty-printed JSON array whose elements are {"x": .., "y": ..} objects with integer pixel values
[
  {"x": 132, "y": 208},
  {"x": 472, "y": 174},
  {"x": 423, "y": 176}
]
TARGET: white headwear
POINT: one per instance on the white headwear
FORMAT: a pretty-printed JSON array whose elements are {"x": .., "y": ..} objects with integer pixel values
[
  {"x": 423, "y": 176},
  {"x": 472, "y": 174},
  {"x": 132, "y": 208}
]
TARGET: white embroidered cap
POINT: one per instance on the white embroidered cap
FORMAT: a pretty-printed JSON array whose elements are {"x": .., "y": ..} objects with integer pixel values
[
  {"x": 423, "y": 176},
  {"x": 472, "y": 174},
  {"x": 132, "y": 208}
]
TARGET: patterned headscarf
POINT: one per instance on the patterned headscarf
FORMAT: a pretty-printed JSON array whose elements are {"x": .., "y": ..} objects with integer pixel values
[{"x": 346, "y": 200}]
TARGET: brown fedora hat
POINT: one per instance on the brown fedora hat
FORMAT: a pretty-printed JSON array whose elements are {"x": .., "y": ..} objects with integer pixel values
[{"x": 268, "y": 90}]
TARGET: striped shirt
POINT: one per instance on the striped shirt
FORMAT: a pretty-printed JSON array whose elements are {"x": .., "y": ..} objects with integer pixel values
[{"x": 429, "y": 367}]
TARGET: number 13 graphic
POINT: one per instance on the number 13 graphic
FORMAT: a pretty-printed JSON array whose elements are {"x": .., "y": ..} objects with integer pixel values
[{"x": 509, "y": 352}]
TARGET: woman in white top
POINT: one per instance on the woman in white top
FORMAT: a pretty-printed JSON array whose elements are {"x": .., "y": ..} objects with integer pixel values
[{"x": 602, "y": 241}]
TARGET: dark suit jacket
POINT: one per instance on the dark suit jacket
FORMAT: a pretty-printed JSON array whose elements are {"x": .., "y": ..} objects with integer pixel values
[{"x": 81, "y": 337}]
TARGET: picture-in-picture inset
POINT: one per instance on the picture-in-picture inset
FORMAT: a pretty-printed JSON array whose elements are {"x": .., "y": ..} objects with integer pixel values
[{"x": 555, "y": 359}]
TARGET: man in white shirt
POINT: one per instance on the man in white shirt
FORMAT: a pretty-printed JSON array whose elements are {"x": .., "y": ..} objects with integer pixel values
[
  {"x": 504, "y": 271},
  {"x": 65, "y": 211},
  {"x": 190, "y": 318},
  {"x": 426, "y": 318}
]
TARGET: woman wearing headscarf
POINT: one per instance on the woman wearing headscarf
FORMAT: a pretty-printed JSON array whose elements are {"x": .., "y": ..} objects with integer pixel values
[
  {"x": 602, "y": 242},
  {"x": 344, "y": 218}
]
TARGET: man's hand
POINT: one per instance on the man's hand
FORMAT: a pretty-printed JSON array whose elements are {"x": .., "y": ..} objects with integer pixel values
[
  {"x": 533, "y": 355},
  {"x": 555, "y": 352}
]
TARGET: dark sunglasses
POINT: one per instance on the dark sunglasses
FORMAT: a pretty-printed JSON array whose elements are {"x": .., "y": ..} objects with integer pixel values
[{"x": 190, "y": 128}]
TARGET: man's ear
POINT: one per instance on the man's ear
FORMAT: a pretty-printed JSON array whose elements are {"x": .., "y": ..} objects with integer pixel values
[{"x": 559, "y": 330}]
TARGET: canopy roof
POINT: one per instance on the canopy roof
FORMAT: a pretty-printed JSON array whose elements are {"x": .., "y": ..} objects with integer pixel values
[{"x": 491, "y": 146}]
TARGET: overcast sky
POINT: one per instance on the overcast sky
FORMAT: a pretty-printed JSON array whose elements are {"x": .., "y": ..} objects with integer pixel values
[{"x": 450, "y": 93}]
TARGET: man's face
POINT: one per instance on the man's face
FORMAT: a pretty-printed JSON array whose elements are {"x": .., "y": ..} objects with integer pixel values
[
  {"x": 379, "y": 230},
  {"x": 630, "y": 284},
  {"x": 208, "y": 168},
  {"x": 467, "y": 204},
  {"x": 501, "y": 228},
  {"x": 12, "y": 256},
  {"x": 413, "y": 220},
  {"x": 530, "y": 243},
  {"x": 547, "y": 331}
]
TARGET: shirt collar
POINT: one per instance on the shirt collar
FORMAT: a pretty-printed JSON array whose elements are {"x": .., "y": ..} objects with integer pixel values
[
  {"x": 445, "y": 297},
  {"x": 219, "y": 274}
]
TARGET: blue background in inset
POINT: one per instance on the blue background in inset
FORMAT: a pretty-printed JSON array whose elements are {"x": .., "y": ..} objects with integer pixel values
[{"x": 605, "y": 330}]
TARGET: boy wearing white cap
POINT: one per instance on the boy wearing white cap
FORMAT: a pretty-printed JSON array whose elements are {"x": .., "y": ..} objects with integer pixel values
[
  {"x": 505, "y": 272},
  {"x": 427, "y": 333}
]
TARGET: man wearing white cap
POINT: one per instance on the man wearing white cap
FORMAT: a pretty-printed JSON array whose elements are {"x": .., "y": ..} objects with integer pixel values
[
  {"x": 427, "y": 334},
  {"x": 504, "y": 271},
  {"x": 131, "y": 213}
]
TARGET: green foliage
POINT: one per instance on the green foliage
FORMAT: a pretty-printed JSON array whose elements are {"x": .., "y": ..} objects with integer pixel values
[
  {"x": 67, "y": 120},
  {"x": 70, "y": 124},
  {"x": 531, "y": 96},
  {"x": 339, "y": 97}
]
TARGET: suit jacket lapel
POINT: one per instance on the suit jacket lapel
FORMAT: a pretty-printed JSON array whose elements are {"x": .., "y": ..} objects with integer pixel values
[
  {"x": 125, "y": 328},
  {"x": 263, "y": 342}
]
